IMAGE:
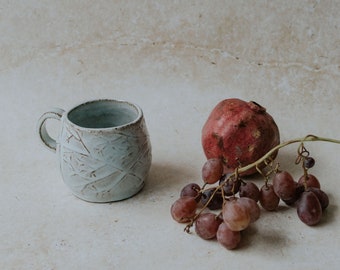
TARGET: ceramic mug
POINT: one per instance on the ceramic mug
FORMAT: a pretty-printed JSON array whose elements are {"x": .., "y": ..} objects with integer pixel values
[{"x": 103, "y": 148}]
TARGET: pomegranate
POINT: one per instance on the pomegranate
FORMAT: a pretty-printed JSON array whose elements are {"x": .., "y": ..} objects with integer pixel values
[{"x": 239, "y": 133}]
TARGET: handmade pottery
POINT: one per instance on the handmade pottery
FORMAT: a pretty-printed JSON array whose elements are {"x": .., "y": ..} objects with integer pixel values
[{"x": 104, "y": 149}]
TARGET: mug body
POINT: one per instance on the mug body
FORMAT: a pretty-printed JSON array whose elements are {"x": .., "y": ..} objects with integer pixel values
[{"x": 104, "y": 150}]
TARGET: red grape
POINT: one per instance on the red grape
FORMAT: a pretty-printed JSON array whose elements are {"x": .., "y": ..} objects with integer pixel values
[
  {"x": 228, "y": 238},
  {"x": 183, "y": 209},
  {"x": 298, "y": 191},
  {"x": 206, "y": 225},
  {"x": 311, "y": 181},
  {"x": 231, "y": 186},
  {"x": 235, "y": 215},
  {"x": 191, "y": 190},
  {"x": 252, "y": 206},
  {"x": 212, "y": 170},
  {"x": 250, "y": 190},
  {"x": 284, "y": 185},
  {"x": 268, "y": 198},
  {"x": 309, "y": 208},
  {"x": 215, "y": 203},
  {"x": 308, "y": 162},
  {"x": 322, "y": 197}
]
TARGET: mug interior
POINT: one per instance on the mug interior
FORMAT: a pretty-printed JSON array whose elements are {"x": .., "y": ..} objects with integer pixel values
[{"x": 104, "y": 114}]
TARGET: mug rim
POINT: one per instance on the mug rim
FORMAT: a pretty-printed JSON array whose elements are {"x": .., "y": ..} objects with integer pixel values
[{"x": 128, "y": 124}]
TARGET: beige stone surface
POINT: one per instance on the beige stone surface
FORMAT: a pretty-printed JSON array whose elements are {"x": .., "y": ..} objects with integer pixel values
[{"x": 176, "y": 59}]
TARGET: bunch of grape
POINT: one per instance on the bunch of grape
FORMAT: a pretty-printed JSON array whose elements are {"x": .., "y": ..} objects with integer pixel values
[
  {"x": 305, "y": 194},
  {"x": 234, "y": 202},
  {"x": 236, "y": 212}
]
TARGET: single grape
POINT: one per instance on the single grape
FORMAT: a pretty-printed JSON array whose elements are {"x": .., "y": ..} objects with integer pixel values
[
  {"x": 212, "y": 170},
  {"x": 309, "y": 208},
  {"x": 284, "y": 185},
  {"x": 252, "y": 206},
  {"x": 311, "y": 181},
  {"x": 228, "y": 238},
  {"x": 322, "y": 197},
  {"x": 308, "y": 162},
  {"x": 298, "y": 191},
  {"x": 230, "y": 186},
  {"x": 215, "y": 203},
  {"x": 250, "y": 190},
  {"x": 191, "y": 190},
  {"x": 183, "y": 209},
  {"x": 206, "y": 225},
  {"x": 235, "y": 215},
  {"x": 268, "y": 198}
]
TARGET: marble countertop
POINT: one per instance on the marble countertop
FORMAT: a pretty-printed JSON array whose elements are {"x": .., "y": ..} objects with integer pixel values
[{"x": 176, "y": 60}]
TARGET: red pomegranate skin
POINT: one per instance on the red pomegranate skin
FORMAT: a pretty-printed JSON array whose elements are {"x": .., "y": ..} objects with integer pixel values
[{"x": 239, "y": 133}]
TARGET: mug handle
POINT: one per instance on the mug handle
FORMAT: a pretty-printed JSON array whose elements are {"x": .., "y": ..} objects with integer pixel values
[{"x": 49, "y": 142}]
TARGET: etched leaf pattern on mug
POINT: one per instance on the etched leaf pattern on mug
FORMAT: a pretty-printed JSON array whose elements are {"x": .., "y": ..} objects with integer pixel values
[{"x": 93, "y": 160}]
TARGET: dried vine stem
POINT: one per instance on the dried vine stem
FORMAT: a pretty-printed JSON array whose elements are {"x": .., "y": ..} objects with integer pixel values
[{"x": 308, "y": 138}]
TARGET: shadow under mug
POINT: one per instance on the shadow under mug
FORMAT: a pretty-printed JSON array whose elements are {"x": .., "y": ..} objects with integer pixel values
[{"x": 103, "y": 147}]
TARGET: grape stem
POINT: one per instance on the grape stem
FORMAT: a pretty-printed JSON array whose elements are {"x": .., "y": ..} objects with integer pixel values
[{"x": 267, "y": 156}]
